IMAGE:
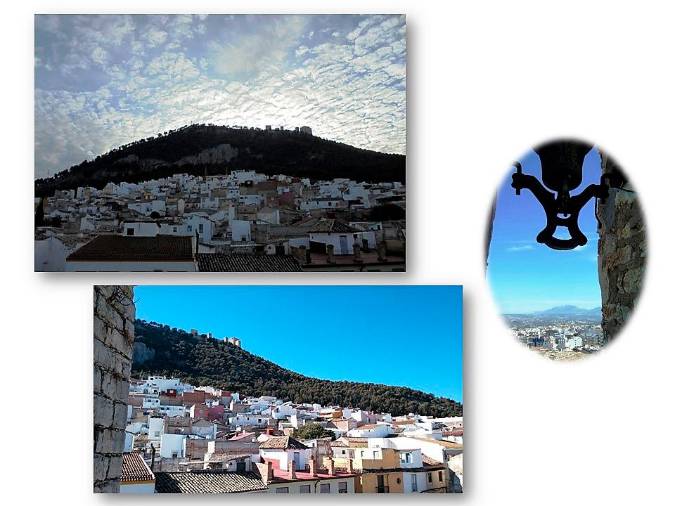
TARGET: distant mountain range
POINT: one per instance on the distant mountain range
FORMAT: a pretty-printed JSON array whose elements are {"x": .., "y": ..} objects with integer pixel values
[
  {"x": 569, "y": 311},
  {"x": 198, "y": 359},
  {"x": 564, "y": 311},
  {"x": 210, "y": 149}
]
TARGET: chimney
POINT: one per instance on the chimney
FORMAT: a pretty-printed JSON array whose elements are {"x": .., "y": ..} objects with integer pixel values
[
  {"x": 357, "y": 253},
  {"x": 331, "y": 466},
  {"x": 312, "y": 466},
  {"x": 266, "y": 471},
  {"x": 329, "y": 251},
  {"x": 382, "y": 252},
  {"x": 300, "y": 254},
  {"x": 291, "y": 469}
]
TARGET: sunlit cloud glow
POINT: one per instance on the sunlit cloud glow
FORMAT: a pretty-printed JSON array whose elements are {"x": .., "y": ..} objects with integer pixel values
[{"x": 103, "y": 81}]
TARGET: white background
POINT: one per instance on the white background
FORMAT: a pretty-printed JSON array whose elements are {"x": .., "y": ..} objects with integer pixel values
[{"x": 486, "y": 81}]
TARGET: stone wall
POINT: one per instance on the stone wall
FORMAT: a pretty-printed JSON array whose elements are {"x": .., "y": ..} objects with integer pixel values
[
  {"x": 621, "y": 250},
  {"x": 114, "y": 314}
]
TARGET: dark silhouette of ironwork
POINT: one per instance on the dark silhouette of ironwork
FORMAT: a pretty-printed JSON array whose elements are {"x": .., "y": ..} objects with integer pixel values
[{"x": 561, "y": 169}]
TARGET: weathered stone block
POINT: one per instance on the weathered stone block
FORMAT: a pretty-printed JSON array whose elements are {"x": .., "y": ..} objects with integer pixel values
[
  {"x": 115, "y": 467},
  {"x": 113, "y": 349},
  {"x": 97, "y": 380},
  {"x": 114, "y": 338},
  {"x": 109, "y": 441},
  {"x": 109, "y": 315},
  {"x": 109, "y": 385},
  {"x": 100, "y": 467},
  {"x": 119, "y": 416},
  {"x": 122, "y": 391},
  {"x": 624, "y": 255},
  {"x": 103, "y": 411},
  {"x": 107, "y": 487},
  {"x": 630, "y": 283},
  {"x": 108, "y": 359},
  {"x": 622, "y": 252}
]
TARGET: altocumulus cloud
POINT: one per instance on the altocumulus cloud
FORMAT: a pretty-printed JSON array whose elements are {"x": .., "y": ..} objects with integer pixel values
[{"x": 102, "y": 81}]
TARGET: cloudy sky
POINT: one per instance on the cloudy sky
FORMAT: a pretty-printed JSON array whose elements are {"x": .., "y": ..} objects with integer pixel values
[{"x": 102, "y": 81}]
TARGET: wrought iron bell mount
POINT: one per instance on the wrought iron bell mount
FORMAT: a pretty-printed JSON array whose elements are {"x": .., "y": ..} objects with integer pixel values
[{"x": 561, "y": 173}]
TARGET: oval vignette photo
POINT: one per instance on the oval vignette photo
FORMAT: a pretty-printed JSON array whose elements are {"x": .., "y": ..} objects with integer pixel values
[{"x": 566, "y": 249}]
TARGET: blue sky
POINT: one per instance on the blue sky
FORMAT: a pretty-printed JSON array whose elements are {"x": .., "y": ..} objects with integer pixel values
[
  {"x": 526, "y": 276},
  {"x": 105, "y": 80},
  {"x": 396, "y": 335}
]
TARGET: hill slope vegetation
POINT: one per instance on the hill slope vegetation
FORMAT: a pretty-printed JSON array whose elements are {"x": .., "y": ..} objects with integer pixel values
[
  {"x": 209, "y": 149},
  {"x": 160, "y": 349}
]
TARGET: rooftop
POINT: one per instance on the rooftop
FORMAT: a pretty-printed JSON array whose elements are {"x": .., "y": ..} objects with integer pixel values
[
  {"x": 369, "y": 258},
  {"x": 282, "y": 476},
  {"x": 331, "y": 225},
  {"x": 134, "y": 469},
  {"x": 161, "y": 248},
  {"x": 282, "y": 443},
  {"x": 207, "y": 482},
  {"x": 215, "y": 262}
]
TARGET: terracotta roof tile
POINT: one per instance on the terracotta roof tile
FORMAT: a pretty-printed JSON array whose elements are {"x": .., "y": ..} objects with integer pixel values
[
  {"x": 161, "y": 248},
  {"x": 207, "y": 482},
  {"x": 215, "y": 262},
  {"x": 331, "y": 225},
  {"x": 134, "y": 468},
  {"x": 282, "y": 443}
]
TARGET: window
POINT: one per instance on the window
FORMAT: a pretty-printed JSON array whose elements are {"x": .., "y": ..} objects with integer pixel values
[
  {"x": 342, "y": 487},
  {"x": 440, "y": 476},
  {"x": 429, "y": 478},
  {"x": 282, "y": 490},
  {"x": 414, "y": 482},
  {"x": 325, "y": 488},
  {"x": 130, "y": 231},
  {"x": 304, "y": 489},
  {"x": 201, "y": 228}
]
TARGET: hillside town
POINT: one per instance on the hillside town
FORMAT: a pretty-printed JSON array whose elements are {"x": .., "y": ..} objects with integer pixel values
[
  {"x": 239, "y": 221},
  {"x": 182, "y": 438},
  {"x": 558, "y": 339}
]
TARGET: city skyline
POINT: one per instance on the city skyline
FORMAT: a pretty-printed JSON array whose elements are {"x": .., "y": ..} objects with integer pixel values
[
  {"x": 392, "y": 341},
  {"x": 104, "y": 81},
  {"x": 526, "y": 276}
]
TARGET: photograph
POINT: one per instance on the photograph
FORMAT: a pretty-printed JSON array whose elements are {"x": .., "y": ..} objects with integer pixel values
[
  {"x": 220, "y": 143},
  {"x": 343, "y": 389},
  {"x": 567, "y": 249}
]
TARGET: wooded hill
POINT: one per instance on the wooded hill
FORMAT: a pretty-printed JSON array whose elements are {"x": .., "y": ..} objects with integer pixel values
[
  {"x": 209, "y": 149},
  {"x": 200, "y": 360}
]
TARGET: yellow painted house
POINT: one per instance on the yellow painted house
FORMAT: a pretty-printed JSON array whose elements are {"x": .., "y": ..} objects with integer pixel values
[{"x": 389, "y": 470}]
